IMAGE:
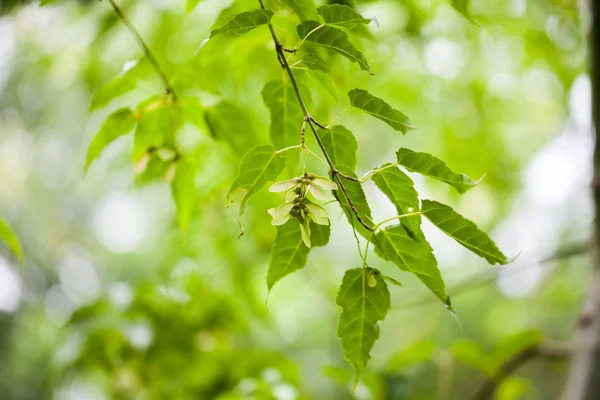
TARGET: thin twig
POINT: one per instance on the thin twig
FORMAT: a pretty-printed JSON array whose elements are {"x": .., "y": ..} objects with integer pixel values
[
  {"x": 335, "y": 174},
  {"x": 144, "y": 47},
  {"x": 487, "y": 277},
  {"x": 487, "y": 390}
]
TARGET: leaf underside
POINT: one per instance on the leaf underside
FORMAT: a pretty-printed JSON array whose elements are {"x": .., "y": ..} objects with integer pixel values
[
  {"x": 289, "y": 253},
  {"x": 341, "y": 15},
  {"x": 333, "y": 39},
  {"x": 244, "y": 22},
  {"x": 428, "y": 165},
  {"x": 463, "y": 231},
  {"x": 363, "y": 306},
  {"x": 258, "y": 167},
  {"x": 379, "y": 109}
]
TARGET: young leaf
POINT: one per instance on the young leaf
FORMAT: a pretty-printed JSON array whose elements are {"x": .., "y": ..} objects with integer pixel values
[
  {"x": 313, "y": 62},
  {"x": 463, "y": 231},
  {"x": 258, "y": 167},
  {"x": 399, "y": 188},
  {"x": 118, "y": 124},
  {"x": 341, "y": 15},
  {"x": 121, "y": 85},
  {"x": 357, "y": 195},
  {"x": 244, "y": 22},
  {"x": 363, "y": 306},
  {"x": 231, "y": 124},
  {"x": 378, "y": 108},
  {"x": 394, "y": 244},
  {"x": 306, "y": 9},
  {"x": 428, "y": 165},
  {"x": 11, "y": 240},
  {"x": 183, "y": 189},
  {"x": 289, "y": 252},
  {"x": 333, "y": 39},
  {"x": 341, "y": 145},
  {"x": 286, "y": 114}
]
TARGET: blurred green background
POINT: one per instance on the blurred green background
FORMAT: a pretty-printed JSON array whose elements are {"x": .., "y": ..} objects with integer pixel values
[{"x": 116, "y": 302}]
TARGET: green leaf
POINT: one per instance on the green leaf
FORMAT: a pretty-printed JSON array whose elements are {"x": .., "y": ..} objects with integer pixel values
[
  {"x": 464, "y": 7},
  {"x": 341, "y": 15},
  {"x": 428, "y": 165},
  {"x": 183, "y": 189},
  {"x": 363, "y": 306},
  {"x": 118, "y": 124},
  {"x": 156, "y": 128},
  {"x": 474, "y": 355},
  {"x": 378, "y": 108},
  {"x": 244, "y": 22},
  {"x": 414, "y": 354},
  {"x": 399, "y": 188},
  {"x": 341, "y": 145},
  {"x": 233, "y": 125},
  {"x": 333, "y": 39},
  {"x": 395, "y": 244},
  {"x": 258, "y": 167},
  {"x": 306, "y": 9},
  {"x": 289, "y": 253},
  {"x": 463, "y": 231},
  {"x": 286, "y": 114},
  {"x": 121, "y": 85},
  {"x": 12, "y": 241},
  {"x": 313, "y": 62},
  {"x": 357, "y": 195},
  {"x": 516, "y": 343}
]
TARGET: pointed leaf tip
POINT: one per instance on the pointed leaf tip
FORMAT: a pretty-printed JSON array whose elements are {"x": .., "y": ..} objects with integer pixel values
[{"x": 379, "y": 109}]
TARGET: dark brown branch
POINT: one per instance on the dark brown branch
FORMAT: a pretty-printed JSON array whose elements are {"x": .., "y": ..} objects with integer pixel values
[
  {"x": 335, "y": 173},
  {"x": 145, "y": 48},
  {"x": 558, "y": 352}
]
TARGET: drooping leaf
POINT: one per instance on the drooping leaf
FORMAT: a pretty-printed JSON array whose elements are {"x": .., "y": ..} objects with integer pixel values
[
  {"x": 399, "y": 188},
  {"x": 244, "y": 22},
  {"x": 289, "y": 253},
  {"x": 258, "y": 167},
  {"x": 12, "y": 241},
  {"x": 378, "y": 108},
  {"x": 233, "y": 125},
  {"x": 395, "y": 244},
  {"x": 341, "y": 145},
  {"x": 121, "y": 85},
  {"x": 306, "y": 9},
  {"x": 313, "y": 62},
  {"x": 286, "y": 114},
  {"x": 183, "y": 189},
  {"x": 463, "y": 231},
  {"x": 428, "y": 165},
  {"x": 118, "y": 124},
  {"x": 341, "y": 15},
  {"x": 333, "y": 39},
  {"x": 363, "y": 306},
  {"x": 357, "y": 195}
]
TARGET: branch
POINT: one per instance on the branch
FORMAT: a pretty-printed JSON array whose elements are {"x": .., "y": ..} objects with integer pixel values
[
  {"x": 144, "y": 47},
  {"x": 335, "y": 174},
  {"x": 558, "y": 352},
  {"x": 489, "y": 276}
]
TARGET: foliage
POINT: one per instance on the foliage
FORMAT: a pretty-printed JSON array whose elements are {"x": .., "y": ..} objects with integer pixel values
[{"x": 254, "y": 118}]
